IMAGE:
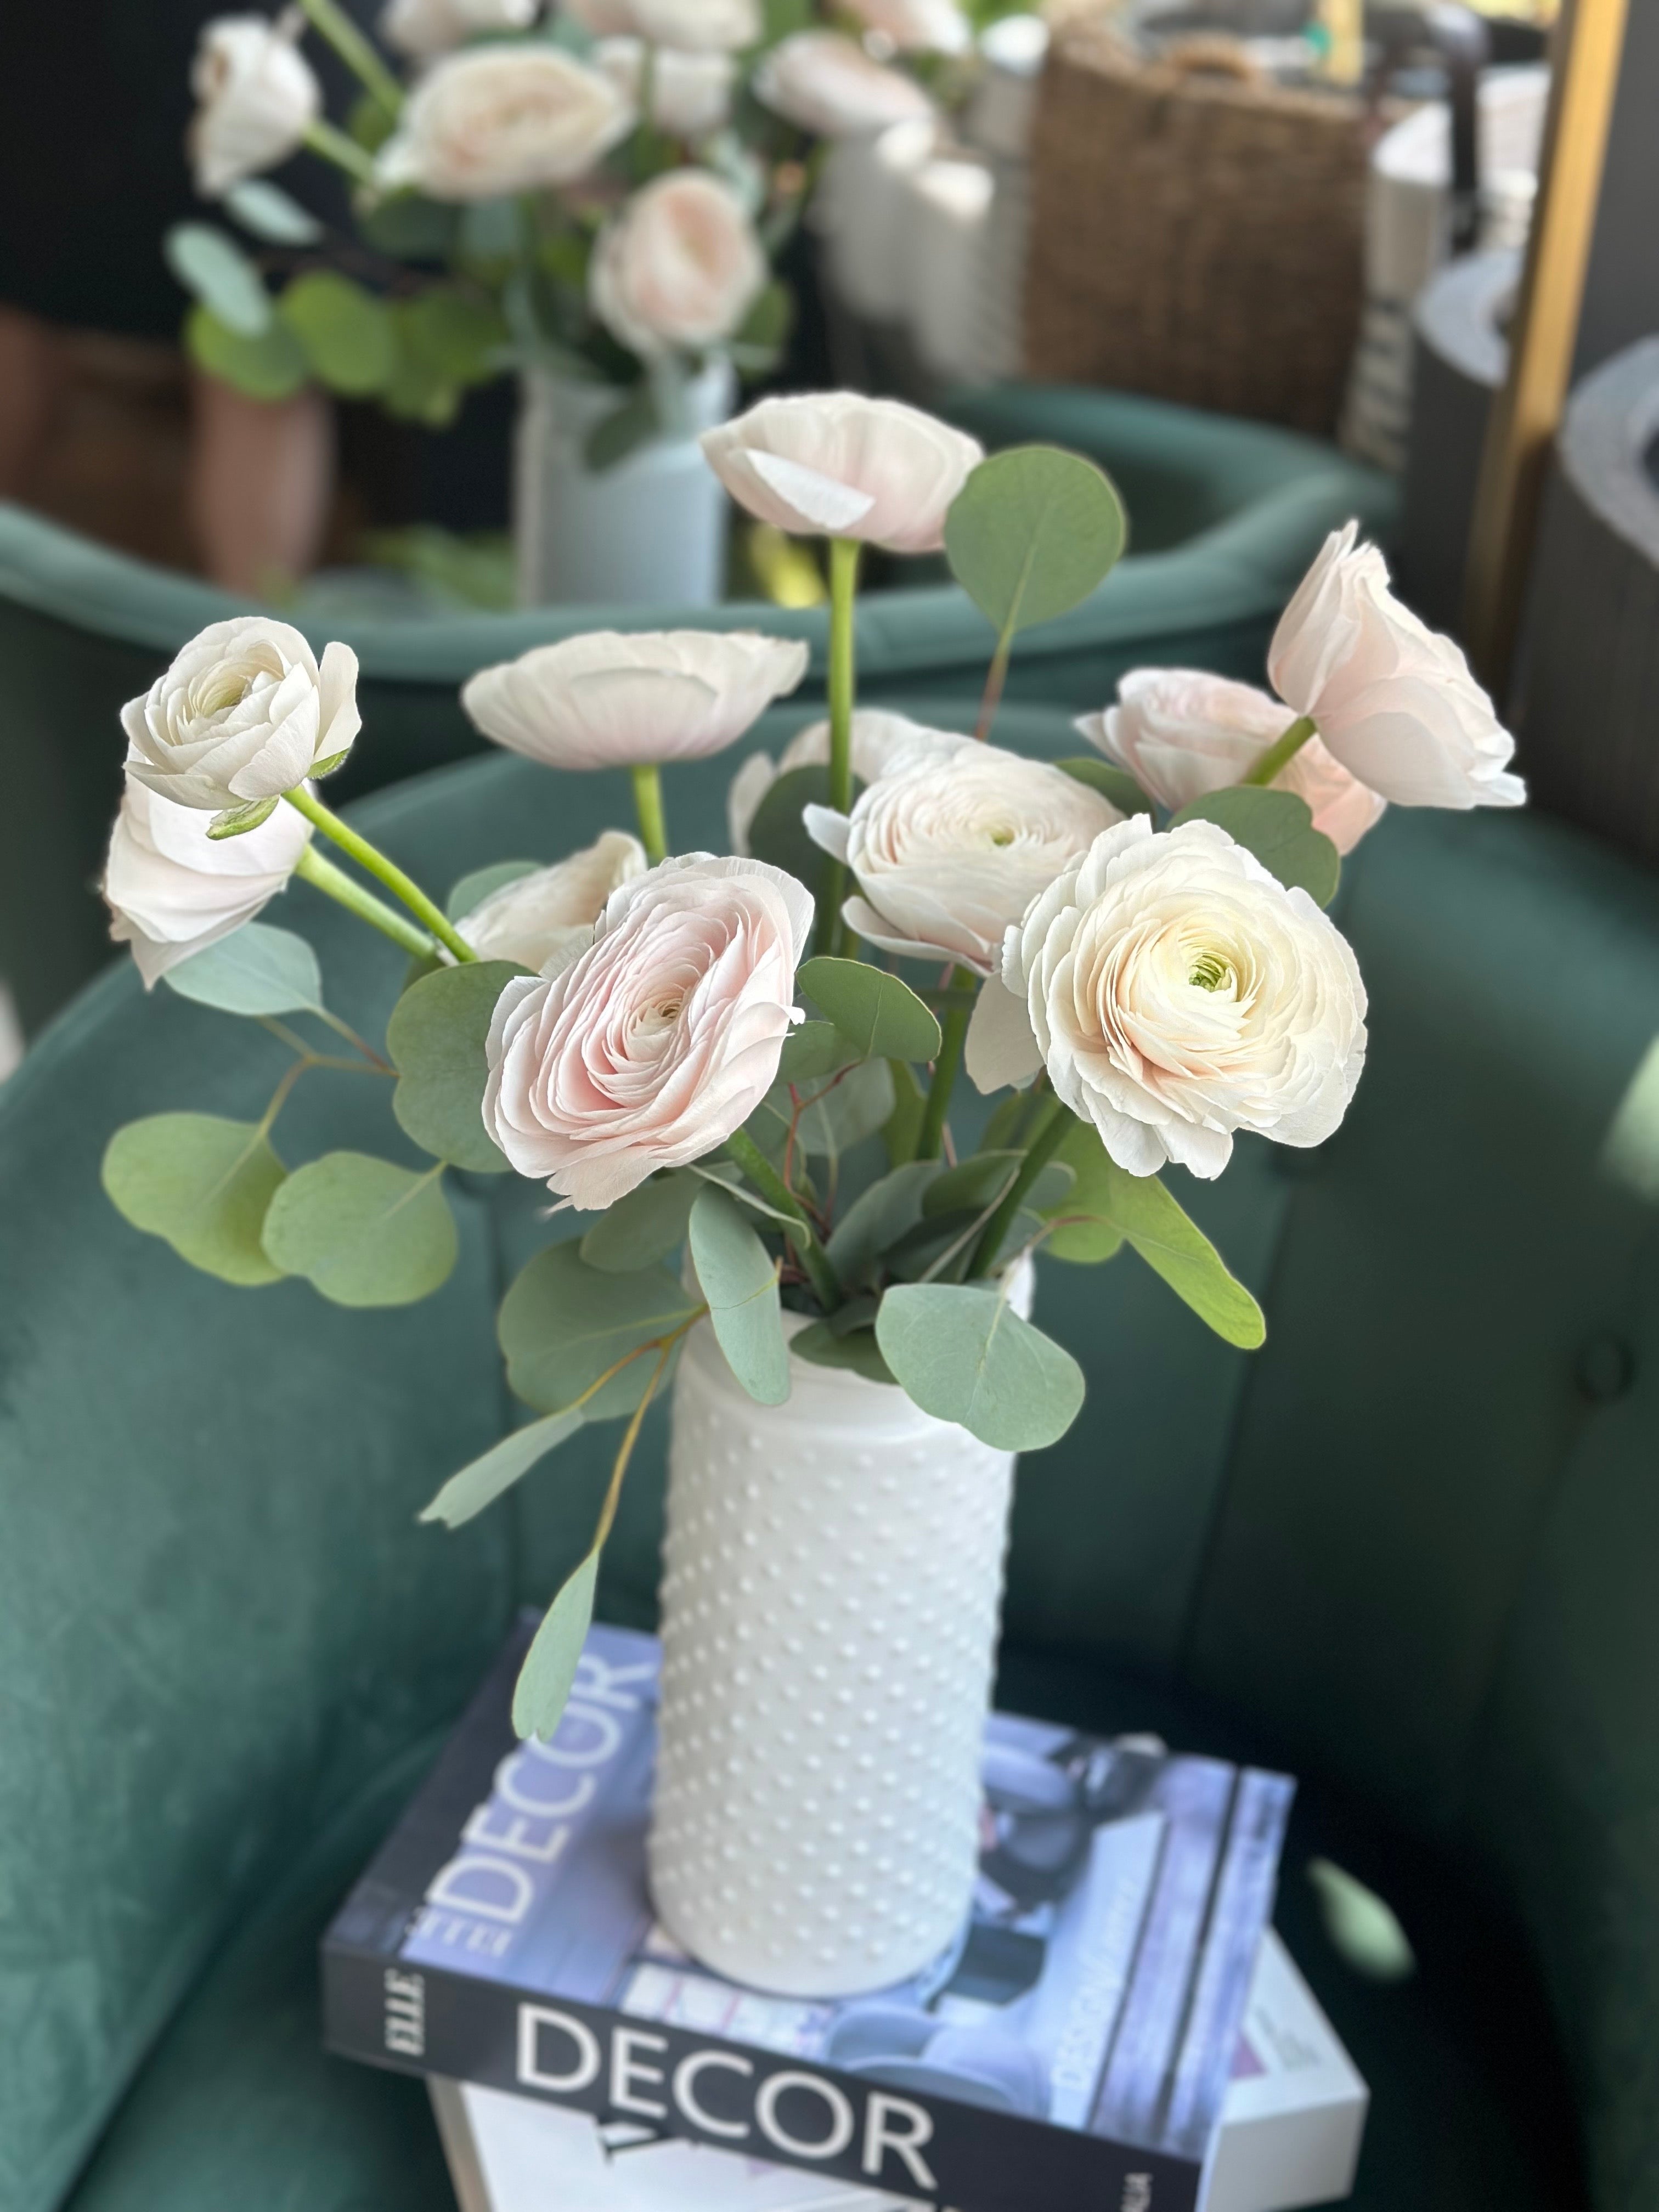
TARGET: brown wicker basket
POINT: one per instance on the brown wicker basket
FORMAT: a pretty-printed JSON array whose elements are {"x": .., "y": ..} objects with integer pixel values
[{"x": 1196, "y": 229}]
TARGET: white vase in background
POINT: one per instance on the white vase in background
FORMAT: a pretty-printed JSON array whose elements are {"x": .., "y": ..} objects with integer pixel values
[
  {"x": 831, "y": 1591},
  {"x": 650, "y": 530}
]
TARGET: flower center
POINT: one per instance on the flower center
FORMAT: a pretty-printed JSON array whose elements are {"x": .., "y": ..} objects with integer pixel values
[{"x": 1210, "y": 971}]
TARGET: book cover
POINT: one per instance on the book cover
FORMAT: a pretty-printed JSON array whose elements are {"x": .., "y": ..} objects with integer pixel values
[{"x": 1074, "y": 2044}]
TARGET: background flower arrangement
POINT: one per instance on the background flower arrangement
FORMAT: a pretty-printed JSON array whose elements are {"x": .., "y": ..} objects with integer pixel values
[{"x": 693, "y": 1049}]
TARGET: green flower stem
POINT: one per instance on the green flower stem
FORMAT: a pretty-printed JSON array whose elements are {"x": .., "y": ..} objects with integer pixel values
[
  {"x": 776, "y": 1192},
  {"x": 1282, "y": 751},
  {"x": 843, "y": 592},
  {"x": 946, "y": 1068},
  {"x": 331, "y": 21},
  {"x": 367, "y": 856},
  {"x": 1046, "y": 1140},
  {"x": 335, "y": 884},
  {"x": 647, "y": 804},
  {"x": 345, "y": 153}
]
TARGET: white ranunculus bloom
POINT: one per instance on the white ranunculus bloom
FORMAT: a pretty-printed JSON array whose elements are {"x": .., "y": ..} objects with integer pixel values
[
  {"x": 950, "y": 847},
  {"x": 1394, "y": 702},
  {"x": 1182, "y": 734},
  {"x": 1177, "y": 992},
  {"x": 827, "y": 84},
  {"x": 690, "y": 94},
  {"x": 172, "y": 890},
  {"x": 425, "y": 28},
  {"x": 679, "y": 268},
  {"x": 837, "y": 463},
  {"x": 937, "y": 27},
  {"x": 539, "y": 919},
  {"x": 652, "y": 1046},
  {"x": 246, "y": 712},
  {"x": 256, "y": 98},
  {"x": 608, "y": 699},
  {"x": 698, "y": 26},
  {"x": 879, "y": 737},
  {"x": 503, "y": 119}
]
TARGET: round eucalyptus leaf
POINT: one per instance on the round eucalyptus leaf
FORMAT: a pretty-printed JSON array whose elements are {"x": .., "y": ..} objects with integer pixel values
[
  {"x": 270, "y": 366},
  {"x": 880, "y": 1016},
  {"x": 362, "y": 1230},
  {"x": 563, "y": 1324},
  {"x": 345, "y": 332},
  {"x": 964, "y": 1354},
  {"x": 1032, "y": 533},
  {"x": 436, "y": 1039},
  {"x": 201, "y": 1183},
  {"x": 255, "y": 970},
  {"x": 739, "y": 1278},
  {"x": 214, "y": 270},
  {"x": 646, "y": 1226},
  {"x": 1278, "y": 828},
  {"x": 271, "y": 213}
]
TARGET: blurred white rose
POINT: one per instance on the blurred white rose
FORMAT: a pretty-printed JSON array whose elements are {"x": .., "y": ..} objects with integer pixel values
[
  {"x": 1394, "y": 703},
  {"x": 950, "y": 847},
  {"x": 610, "y": 700},
  {"x": 938, "y": 27},
  {"x": 838, "y": 463},
  {"x": 651, "y": 1047},
  {"x": 498, "y": 119},
  {"x": 172, "y": 890},
  {"x": 690, "y": 94},
  {"x": 1182, "y": 733},
  {"x": 878, "y": 737},
  {"x": 539, "y": 917},
  {"x": 243, "y": 713},
  {"x": 679, "y": 267},
  {"x": 698, "y": 26},
  {"x": 256, "y": 99},
  {"x": 424, "y": 27},
  {"x": 1177, "y": 992},
  {"x": 829, "y": 85}
]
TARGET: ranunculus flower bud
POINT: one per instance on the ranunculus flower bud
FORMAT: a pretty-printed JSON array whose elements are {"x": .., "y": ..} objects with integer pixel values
[
  {"x": 1182, "y": 734},
  {"x": 937, "y": 27},
  {"x": 425, "y": 28},
  {"x": 1394, "y": 702},
  {"x": 256, "y": 99},
  {"x": 698, "y": 26},
  {"x": 690, "y": 94},
  {"x": 948, "y": 848},
  {"x": 1177, "y": 992},
  {"x": 680, "y": 267},
  {"x": 829, "y": 85},
  {"x": 496, "y": 119},
  {"x": 660, "y": 1040},
  {"x": 172, "y": 890},
  {"x": 879, "y": 737},
  {"x": 609, "y": 699},
  {"x": 541, "y": 919},
  {"x": 837, "y": 463},
  {"x": 243, "y": 713}
]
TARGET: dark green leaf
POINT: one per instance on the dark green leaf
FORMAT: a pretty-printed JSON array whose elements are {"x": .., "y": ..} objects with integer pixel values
[
  {"x": 415, "y": 391},
  {"x": 544, "y": 1681},
  {"x": 777, "y": 836},
  {"x": 1116, "y": 785},
  {"x": 878, "y": 1218},
  {"x": 739, "y": 1278},
  {"x": 436, "y": 1038},
  {"x": 1278, "y": 828},
  {"x": 646, "y": 1226},
  {"x": 484, "y": 1479},
  {"x": 563, "y": 1324},
  {"x": 346, "y": 332},
  {"x": 858, "y": 1349},
  {"x": 363, "y": 1231},
  {"x": 410, "y": 229},
  {"x": 201, "y": 1183},
  {"x": 979, "y": 1182},
  {"x": 903, "y": 1125},
  {"x": 269, "y": 367},
  {"x": 624, "y": 430},
  {"x": 1032, "y": 533},
  {"x": 255, "y": 970},
  {"x": 272, "y": 214},
  {"x": 811, "y": 1052},
  {"x": 964, "y": 1354},
  {"x": 211, "y": 266},
  {"x": 459, "y": 334},
  {"x": 879, "y": 1017}
]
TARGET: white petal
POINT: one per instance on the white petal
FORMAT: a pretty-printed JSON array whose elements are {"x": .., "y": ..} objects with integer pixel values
[
  {"x": 1001, "y": 1048},
  {"x": 818, "y": 500},
  {"x": 827, "y": 829}
]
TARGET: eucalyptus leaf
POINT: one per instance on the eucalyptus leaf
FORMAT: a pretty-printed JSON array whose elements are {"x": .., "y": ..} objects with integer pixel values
[
  {"x": 1364, "y": 1929},
  {"x": 201, "y": 1183},
  {"x": 1278, "y": 828},
  {"x": 777, "y": 834},
  {"x": 460, "y": 334},
  {"x": 255, "y": 970},
  {"x": 964, "y": 1354},
  {"x": 877, "y": 1218},
  {"x": 739, "y": 1278},
  {"x": 436, "y": 1039},
  {"x": 484, "y": 1479},
  {"x": 841, "y": 1113},
  {"x": 810, "y": 1051},
  {"x": 211, "y": 266},
  {"x": 346, "y": 332},
  {"x": 272, "y": 214},
  {"x": 977, "y": 1183},
  {"x": 269, "y": 367},
  {"x": 823, "y": 1347},
  {"x": 1116, "y": 785},
  {"x": 415, "y": 391},
  {"x": 1032, "y": 533},
  {"x": 409, "y": 227},
  {"x": 563, "y": 1323},
  {"x": 363, "y": 1231},
  {"x": 549, "y": 1672},
  {"x": 880, "y": 1016},
  {"x": 730, "y": 1177},
  {"x": 646, "y": 1226},
  {"x": 902, "y": 1127}
]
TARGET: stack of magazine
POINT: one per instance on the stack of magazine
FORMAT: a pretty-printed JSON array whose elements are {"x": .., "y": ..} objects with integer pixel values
[{"x": 1117, "y": 2026}]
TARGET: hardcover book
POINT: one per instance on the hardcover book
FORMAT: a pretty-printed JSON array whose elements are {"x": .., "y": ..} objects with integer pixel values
[{"x": 1071, "y": 2047}]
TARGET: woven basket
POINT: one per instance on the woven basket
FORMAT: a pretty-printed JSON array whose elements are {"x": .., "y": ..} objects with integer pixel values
[{"x": 1196, "y": 229}]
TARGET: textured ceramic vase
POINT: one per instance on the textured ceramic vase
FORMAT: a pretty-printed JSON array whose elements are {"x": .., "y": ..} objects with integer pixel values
[
  {"x": 649, "y": 530},
  {"x": 833, "y": 1576}
]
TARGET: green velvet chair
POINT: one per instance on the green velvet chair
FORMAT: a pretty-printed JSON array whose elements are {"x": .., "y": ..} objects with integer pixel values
[
  {"x": 1410, "y": 1549},
  {"x": 1228, "y": 514}
]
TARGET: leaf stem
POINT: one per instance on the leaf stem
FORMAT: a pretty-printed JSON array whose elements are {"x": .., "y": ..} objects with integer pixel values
[
  {"x": 772, "y": 1187},
  {"x": 842, "y": 687},
  {"x": 335, "y": 884},
  {"x": 1046, "y": 1140},
  {"x": 995, "y": 676},
  {"x": 344, "y": 152},
  {"x": 367, "y": 856},
  {"x": 1281, "y": 751},
  {"x": 331, "y": 22},
  {"x": 647, "y": 804},
  {"x": 946, "y": 1068}
]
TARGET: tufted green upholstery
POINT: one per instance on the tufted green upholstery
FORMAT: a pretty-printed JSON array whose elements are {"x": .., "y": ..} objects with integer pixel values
[
  {"x": 1410, "y": 1548},
  {"x": 1230, "y": 513}
]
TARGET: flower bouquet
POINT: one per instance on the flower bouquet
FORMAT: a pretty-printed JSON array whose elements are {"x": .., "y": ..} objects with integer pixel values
[
  {"x": 744, "y": 1073},
  {"x": 594, "y": 202}
]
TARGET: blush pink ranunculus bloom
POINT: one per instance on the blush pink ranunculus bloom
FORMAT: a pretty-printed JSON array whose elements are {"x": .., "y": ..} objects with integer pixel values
[
  {"x": 679, "y": 268},
  {"x": 827, "y": 84}
]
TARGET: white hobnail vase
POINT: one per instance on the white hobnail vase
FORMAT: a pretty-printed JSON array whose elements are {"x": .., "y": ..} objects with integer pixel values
[
  {"x": 831, "y": 1591},
  {"x": 650, "y": 530}
]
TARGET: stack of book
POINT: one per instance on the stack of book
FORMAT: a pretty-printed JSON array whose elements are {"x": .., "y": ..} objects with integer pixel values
[{"x": 1117, "y": 2025}]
